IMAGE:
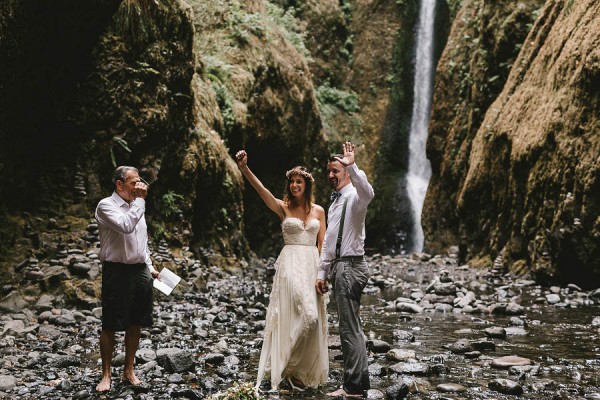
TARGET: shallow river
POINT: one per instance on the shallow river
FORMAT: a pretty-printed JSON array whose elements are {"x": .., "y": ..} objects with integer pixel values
[{"x": 561, "y": 341}]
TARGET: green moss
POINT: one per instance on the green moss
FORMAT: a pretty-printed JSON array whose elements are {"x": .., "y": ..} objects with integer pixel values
[
  {"x": 345, "y": 100},
  {"x": 289, "y": 25}
]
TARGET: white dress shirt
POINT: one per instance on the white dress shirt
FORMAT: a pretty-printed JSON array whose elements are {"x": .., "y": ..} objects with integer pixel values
[
  {"x": 123, "y": 231},
  {"x": 359, "y": 194}
]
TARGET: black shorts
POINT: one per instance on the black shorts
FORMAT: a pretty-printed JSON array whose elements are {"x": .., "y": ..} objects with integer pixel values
[{"x": 126, "y": 296}]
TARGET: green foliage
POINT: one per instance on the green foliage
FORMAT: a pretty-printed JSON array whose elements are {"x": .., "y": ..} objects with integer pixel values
[
  {"x": 346, "y": 100},
  {"x": 118, "y": 142},
  {"x": 170, "y": 202},
  {"x": 244, "y": 391},
  {"x": 348, "y": 47},
  {"x": 290, "y": 26},
  {"x": 568, "y": 6},
  {"x": 158, "y": 230},
  {"x": 243, "y": 24},
  {"x": 134, "y": 20},
  {"x": 225, "y": 105},
  {"x": 225, "y": 221},
  {"x": 454, "y": 6}
]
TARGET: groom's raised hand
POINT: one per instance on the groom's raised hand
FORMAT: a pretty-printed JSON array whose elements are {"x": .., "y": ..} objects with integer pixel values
[{"x": 348, "y": 149}]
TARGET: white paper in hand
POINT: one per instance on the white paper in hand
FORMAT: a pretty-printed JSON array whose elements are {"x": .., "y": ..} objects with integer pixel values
[{"x": 167, "y": 281}]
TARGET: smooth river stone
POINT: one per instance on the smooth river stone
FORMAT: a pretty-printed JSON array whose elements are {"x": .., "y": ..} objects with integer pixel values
[
  {"x": 510, "y": 361},
  {"x": 450, "y": 388}
]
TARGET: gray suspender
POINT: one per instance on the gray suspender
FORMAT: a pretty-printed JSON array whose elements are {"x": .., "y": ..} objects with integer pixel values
[{"x": 338, "y": 244}]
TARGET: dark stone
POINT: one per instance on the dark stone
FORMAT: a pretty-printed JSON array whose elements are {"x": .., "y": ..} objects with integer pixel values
[{"x": 397, "y": 391}]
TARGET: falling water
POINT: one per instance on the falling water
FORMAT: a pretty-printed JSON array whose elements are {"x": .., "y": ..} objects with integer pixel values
[{"x": 419, "y": 168}]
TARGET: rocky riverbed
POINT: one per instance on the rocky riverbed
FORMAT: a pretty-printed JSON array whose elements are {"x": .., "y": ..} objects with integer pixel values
[{"x": 436, "y": 330}]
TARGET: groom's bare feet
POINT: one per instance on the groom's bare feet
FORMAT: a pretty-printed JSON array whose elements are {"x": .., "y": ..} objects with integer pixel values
[
  {"x": 342, "y": 393},
  {"x": 130, "y": 378},
  {"x": 104, "y": 385},
  {"x": 337, "y": 393}
]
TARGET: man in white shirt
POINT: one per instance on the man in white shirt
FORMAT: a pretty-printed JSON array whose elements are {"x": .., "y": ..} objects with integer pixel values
[
  {"x": 342, "y": 259},
  {"x": 127, "y": 271}
]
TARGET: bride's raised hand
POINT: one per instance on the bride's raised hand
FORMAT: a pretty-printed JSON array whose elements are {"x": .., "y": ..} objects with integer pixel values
[{"x": 241, "y": 157}]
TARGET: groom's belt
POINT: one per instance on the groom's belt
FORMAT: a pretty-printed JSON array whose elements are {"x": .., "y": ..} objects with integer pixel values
[{"x": 349, "y": 258}]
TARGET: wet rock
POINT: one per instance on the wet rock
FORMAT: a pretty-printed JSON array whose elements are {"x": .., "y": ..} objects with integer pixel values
[
  {"x": 13, "y": 328},
  {"x": 398, "y": 391},
  {"x": 191, "y": 394},
  {"x": 515, "y": 331},
  {"x": 49, "y": 332},
  {"x": 412, "y": 368},
  {"x": 403, "y": 336},
  {"x": 510, "y": 361},
  {"x": 472, "y": 354},
  {"x": 461, "y": 346},
  {"x": 7, "y": 382},
  {"x": 63, "y": 320},
  {"x": 378, "y": 346},
  {"x": 483, "y": 345},
  {"x": 214, "y": 358},
  {"x": 495, "y": 332},
  {"x": 375, "y": 394},
  {"x": 506, "y": 386},
  {"x": 553, "y": 298},
  {"x": 65, "y": 361},
  {"x": 145, "y": 355},
  {"x": 400, "y": 355},
  {"x": 444, "y": 289},
  {"x": 443, "y": 308},
  {"x": 13, "y": 302},
  {"x": 514, "y": 309},
  {"x": 376, "y": 369},
  {"x": 409, "y": 307},
  {"x": 174, "y": 360},
  {"x": 450, "y": 388},
  {"x": 465, "y": 300}
]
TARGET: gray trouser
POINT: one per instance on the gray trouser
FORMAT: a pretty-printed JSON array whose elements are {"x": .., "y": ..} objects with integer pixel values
[{"x": 349, "y": 275}]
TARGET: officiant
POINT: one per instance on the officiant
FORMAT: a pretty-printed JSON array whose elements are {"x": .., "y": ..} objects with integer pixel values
[{"x": 127, "y": 271}]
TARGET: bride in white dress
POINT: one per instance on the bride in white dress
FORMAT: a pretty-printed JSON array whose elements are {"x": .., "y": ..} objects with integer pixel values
[{"x": 295, "y": 342}]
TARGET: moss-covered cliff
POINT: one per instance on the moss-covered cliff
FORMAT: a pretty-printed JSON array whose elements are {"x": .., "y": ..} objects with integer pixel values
[
  {"x": 176, "y": 88},
  {"x": 513, "y": 138}
]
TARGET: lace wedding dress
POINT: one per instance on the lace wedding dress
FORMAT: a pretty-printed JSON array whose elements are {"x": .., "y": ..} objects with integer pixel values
[{"x": 295, "y": 343}]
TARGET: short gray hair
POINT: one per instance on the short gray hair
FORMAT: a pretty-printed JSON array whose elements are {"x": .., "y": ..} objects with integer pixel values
[{"x": 120, "y": 172}]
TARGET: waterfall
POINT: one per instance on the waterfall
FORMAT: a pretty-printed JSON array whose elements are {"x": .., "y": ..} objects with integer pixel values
[{"x": 419, "y": 168}]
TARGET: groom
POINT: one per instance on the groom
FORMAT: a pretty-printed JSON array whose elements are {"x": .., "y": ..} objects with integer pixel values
[{"x": 343, "y": 260}]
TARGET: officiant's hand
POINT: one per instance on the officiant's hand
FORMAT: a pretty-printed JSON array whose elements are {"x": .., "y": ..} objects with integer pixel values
[{"x": 155, "y": 274}]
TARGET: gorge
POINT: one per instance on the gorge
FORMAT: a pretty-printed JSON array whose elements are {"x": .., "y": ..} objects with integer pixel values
[{"x": 176, "y": 88}]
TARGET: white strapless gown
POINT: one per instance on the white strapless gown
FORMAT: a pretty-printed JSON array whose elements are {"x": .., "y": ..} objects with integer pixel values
[{"x": 295, "y": 343}]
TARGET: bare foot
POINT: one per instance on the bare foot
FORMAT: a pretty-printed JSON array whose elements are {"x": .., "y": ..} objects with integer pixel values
[
  {"x": 130, "y": 378},
  {"x": 337, "y": 393},
  {"x": 104, "y": 385}
]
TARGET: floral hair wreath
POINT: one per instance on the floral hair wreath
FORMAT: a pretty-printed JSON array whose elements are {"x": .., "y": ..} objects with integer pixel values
[{"x": 298, "y": 171}]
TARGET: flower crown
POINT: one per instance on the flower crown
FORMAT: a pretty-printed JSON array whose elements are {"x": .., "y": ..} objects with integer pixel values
[{"x": 298, "y": 171}]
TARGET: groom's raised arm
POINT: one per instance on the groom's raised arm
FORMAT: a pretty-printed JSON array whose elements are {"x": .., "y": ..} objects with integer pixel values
[{"x": 364, "y": 190}]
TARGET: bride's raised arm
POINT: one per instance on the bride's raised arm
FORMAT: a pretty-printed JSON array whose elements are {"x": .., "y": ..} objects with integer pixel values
[{"x": 276, "y": 205}]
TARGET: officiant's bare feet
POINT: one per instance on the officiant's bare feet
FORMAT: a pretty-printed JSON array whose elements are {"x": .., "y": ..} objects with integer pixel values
[
  {"x": 104, "y": 385},
  {"x": 130, "y": 378}
]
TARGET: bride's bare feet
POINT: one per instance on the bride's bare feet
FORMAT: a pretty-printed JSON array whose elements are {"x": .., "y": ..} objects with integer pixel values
[
  {"x": 130, "y": 378},
  {"x": 104, "y": 385}
]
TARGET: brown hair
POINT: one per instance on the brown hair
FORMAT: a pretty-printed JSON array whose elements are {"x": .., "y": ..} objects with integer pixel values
[{"x": 308, "y": 189}]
